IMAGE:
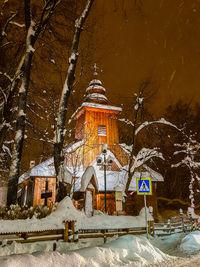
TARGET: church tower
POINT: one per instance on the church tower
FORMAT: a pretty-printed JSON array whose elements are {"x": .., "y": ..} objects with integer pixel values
[{"x": 96, "y": 120}]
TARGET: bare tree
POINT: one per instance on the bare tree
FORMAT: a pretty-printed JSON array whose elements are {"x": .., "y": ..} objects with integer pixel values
[
  {"x": 67, "y": 88},
  {"x": 190, "y": 149},
  {"x": 32, "y": 32},
  {"x": 137, "y": 160}
]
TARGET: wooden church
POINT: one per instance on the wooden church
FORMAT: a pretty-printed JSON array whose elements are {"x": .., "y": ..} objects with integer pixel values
[{"x": 94, "y": 164}]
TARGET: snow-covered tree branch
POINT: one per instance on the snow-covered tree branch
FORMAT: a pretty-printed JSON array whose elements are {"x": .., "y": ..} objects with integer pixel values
[
  {"x": 145, "y": 154},
  {"x": 67, "y": 88},
  {"x": 161, "y": 121},
  {"x": 190, "y": 150}
]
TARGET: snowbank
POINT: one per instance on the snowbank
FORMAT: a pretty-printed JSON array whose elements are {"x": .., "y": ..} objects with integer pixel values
[
  {"x": 191, "y": 242},
  {"x": 137, "y": 249},
  {"x": 127, "y": 250}
]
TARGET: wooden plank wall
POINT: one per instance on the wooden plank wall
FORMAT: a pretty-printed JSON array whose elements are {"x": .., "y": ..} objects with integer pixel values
[
  {"x": 40, "y": 186},
  {"x": 100, "y": 202},
  {"x": 93, "y": 119}
]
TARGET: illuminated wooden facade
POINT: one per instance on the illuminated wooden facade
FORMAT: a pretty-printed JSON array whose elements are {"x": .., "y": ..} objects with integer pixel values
[
  {"x": 37, "y": 190},
  {"x": 96, "y": 124},
  {"x": 90, "y": 121}
]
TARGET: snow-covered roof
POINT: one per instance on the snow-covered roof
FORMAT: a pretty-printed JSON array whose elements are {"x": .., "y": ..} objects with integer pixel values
[
  {"x": 117, "y": 178},
  {"x": 113, "y": 178},
  {"x": 95, "y": 105},
  {"x": 86, "y": 178},
  {"x": 95, "y": 81},
  {"x": 96, "y": 96},
  {"x": 44, "y": 169},
  {"x": 100, "y": 106},
  {"x": 96, "y": 86}
]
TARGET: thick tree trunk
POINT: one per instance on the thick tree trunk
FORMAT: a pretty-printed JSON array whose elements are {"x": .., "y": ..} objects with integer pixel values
[
  {"x": 21, "y": 115},
  {"x": 3, "y": 195},
  {"x": 67, "y": 88},
  {"x": 31, "y": 38},
  {"x": 6, "y": 113},
  {"x": 131, "y": 160}
]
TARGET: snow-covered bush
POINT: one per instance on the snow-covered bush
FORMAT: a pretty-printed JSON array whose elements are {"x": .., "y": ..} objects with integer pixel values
[{"x": 17, "y": 212}]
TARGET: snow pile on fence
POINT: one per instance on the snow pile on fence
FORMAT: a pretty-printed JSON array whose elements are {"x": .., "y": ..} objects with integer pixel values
[
  {"x": 127, "y": 250},
  {"x": 103, "y": 221},
  {"x": 66, "y": 211}
]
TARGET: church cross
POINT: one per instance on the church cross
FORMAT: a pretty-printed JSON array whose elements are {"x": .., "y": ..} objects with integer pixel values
[
  {"x": 47, "y": 194},
  {"x": 95, "y": 69}
]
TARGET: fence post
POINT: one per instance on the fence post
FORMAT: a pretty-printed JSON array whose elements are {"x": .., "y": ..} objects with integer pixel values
[
  {"x": 190, "y": 218},
  {"x": 169, "y": 226},
  {"x": 76, "y": 233},
  {"x": 71, "y": 232},
  {"x": 182, "y": 220},
  {"x": 195, "y": 224},
  {"x": 65, "y": 236},
  {"x": 104, "y": 236},
  {"x": 151, "y": 228}
]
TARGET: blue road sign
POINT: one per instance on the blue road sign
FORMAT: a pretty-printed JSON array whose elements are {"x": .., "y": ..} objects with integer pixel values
[{"x": 144, "y": 186}]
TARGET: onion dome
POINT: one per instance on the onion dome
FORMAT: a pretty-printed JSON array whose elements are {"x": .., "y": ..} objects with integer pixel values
[{"x": 95, "y": 93}]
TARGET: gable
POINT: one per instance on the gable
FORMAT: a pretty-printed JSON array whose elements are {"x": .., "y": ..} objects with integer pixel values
[{"x": 88, "y": 177}]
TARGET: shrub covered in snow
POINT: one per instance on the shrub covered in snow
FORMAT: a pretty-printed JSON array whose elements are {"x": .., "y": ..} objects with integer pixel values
[{"x": 16, "y": 212}]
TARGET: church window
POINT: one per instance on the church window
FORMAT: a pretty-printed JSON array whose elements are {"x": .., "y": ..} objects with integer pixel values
[{"x": 101, "y": 130}]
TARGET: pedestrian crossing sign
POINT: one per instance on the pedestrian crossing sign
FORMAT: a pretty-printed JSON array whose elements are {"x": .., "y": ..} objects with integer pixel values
[{"x": 144, "y": 186}]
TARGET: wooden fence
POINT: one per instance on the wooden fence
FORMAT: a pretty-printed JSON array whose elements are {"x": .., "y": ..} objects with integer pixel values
[
  {"x": 70, "y": 234},
  {"x": 104, "y": 233},
  {"x": 162, "y": 229}
]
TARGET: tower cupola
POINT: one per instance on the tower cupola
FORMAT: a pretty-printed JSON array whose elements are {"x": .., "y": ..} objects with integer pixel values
[{"x": 95, "y": 93}]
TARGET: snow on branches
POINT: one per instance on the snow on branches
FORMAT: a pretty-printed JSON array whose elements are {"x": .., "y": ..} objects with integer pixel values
[
  {"x": 67, "y": 88},
  {"x": 190, "y": 149},
  {"x": 161, "y": 121},
  {"x": 144, "y": 155}
]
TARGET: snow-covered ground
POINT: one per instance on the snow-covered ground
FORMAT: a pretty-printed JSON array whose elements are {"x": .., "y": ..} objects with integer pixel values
[
  {"x": 124, "y": 251},
  {"x": 176, "y": 250},
  {"x": 127, "y": 250}
]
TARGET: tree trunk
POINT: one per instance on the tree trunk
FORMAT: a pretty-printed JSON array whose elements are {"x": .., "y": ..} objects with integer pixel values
[
  {"x": 130, "y": 163},
  {"x": 67, "y": 88},
  {"x": 45, "y": 16},
  {"x": 32, "y": 35},
  {"x": 21, "y": 115}
]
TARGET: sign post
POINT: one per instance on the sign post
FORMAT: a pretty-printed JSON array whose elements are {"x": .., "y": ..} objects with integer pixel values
[{"x": 144, "y": 188}]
